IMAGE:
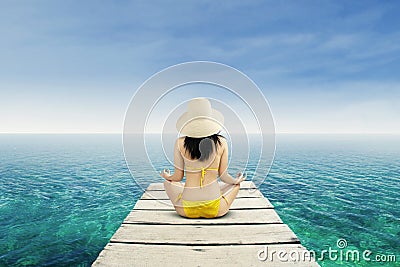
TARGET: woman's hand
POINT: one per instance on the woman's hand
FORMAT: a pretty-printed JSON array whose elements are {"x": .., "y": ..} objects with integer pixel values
[
  {"x": 240, "y": 177},
  {"x": 165, "y": 174}
]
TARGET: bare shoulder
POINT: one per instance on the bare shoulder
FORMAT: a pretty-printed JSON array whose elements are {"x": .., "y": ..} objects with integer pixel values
[
  {"x": 180, "y": 141},
  {"x": 224, "y": 143}
]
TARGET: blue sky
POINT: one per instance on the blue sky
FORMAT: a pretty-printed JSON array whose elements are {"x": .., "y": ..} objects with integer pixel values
[{"x": 324, "y": 66}]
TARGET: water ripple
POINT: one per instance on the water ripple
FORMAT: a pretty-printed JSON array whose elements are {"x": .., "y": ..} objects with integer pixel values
[{"x": 62, "y": 197}]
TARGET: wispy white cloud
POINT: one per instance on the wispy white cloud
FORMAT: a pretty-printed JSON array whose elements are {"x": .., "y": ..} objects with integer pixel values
[
  {"x": 357, "y": 107},
  {"x": 77, "y": 54}
]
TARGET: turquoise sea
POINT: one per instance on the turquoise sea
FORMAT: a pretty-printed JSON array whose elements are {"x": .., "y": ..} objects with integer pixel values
[{"x": 63, "y": 196}]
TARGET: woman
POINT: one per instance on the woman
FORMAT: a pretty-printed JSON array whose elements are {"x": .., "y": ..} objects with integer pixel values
[{"x": 203, "y": 154}]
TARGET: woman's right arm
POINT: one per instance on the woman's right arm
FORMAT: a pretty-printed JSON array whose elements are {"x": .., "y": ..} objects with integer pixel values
[
  {"x": 223, "y": 167},
  {"x": 178, "y": 166}
]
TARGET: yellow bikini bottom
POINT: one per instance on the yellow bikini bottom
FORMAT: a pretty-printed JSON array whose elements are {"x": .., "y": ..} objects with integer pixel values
[{"x": 201, "y": 208}]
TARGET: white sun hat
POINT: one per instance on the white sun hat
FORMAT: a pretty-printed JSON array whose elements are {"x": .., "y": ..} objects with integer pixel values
[{"x": 200, "y": 120}]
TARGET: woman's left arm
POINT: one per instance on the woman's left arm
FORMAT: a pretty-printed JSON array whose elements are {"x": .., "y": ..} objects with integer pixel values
[{"x": 178, "y": 166}]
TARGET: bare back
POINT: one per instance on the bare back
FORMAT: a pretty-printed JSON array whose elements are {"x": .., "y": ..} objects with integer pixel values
[{"x": 193, "y": 170}]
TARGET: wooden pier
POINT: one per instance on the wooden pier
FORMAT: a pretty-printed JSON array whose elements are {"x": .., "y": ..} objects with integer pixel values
[{"x": 153, "y": 234}]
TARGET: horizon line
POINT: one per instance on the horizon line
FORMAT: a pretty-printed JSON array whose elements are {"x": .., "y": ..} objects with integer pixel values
[{"x": 120, "y": 133}]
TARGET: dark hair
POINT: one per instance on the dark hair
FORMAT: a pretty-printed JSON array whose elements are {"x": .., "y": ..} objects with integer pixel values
[{"x": 201, "y": 148}]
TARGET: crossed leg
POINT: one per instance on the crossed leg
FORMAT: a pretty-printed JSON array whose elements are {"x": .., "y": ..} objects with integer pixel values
[
  {"x": 230, "y": 192},
  {"x": 173, "y": 189}
]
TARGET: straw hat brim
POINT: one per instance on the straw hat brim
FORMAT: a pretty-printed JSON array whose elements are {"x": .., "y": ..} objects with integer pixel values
[{"x": 200, "y": 126}]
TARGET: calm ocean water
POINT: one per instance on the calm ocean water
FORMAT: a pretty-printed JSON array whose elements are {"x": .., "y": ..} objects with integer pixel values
[{"x": 63, "y": 196}]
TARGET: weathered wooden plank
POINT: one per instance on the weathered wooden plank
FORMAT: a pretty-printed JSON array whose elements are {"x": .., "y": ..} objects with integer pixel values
[
  {"x": 255, "y": 216},
  {"x": 118, "y": 254},
  {"x": 161, "y": 194},
  {"x": 153, "y": 232},
  {"x": 205, "y": 234},
  {"x": 241, "y": 203},
  {"x": 160, "y": 186}
]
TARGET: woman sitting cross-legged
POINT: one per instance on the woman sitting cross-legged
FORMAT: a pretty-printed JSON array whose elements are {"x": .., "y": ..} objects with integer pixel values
[{"x": 203, "y": 154}]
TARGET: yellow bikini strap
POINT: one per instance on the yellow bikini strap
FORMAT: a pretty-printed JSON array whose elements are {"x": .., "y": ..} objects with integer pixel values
[
  {"x": 203, "y": 172},
  {"x": 179, "y": 197}
]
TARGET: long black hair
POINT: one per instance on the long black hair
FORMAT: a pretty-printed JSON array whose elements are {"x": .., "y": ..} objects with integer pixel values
[{"x": 201, "y": 148}]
